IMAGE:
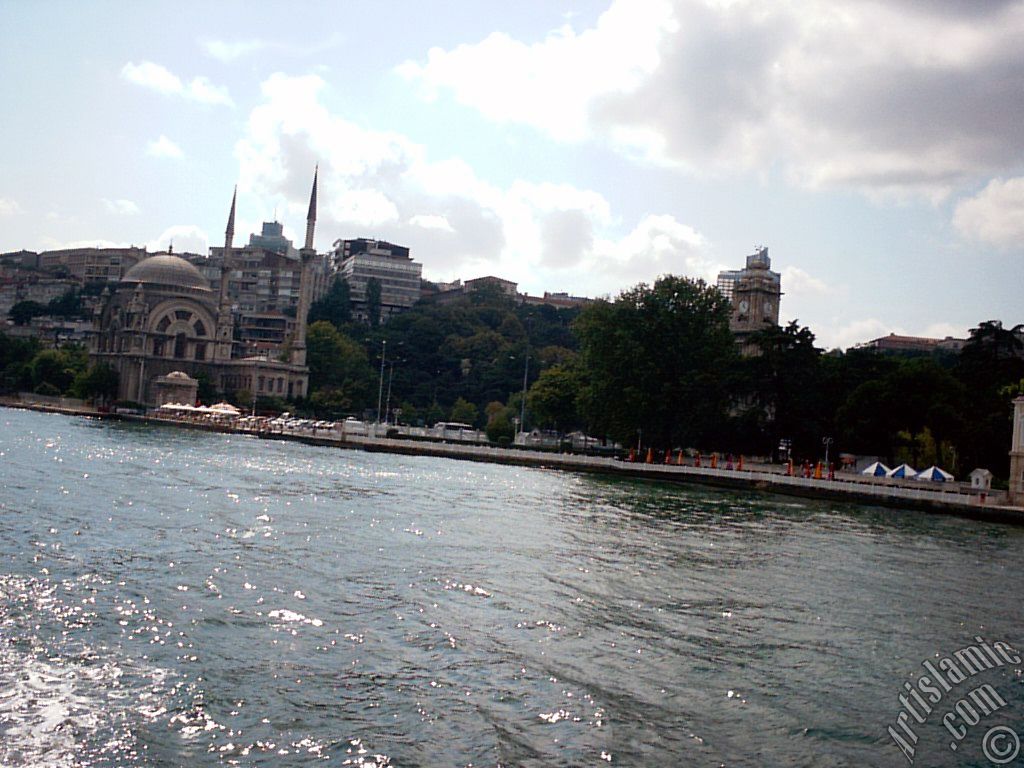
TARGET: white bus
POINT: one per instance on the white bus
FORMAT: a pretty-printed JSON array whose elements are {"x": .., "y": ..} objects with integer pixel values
[{"x": 454, "y": 430}]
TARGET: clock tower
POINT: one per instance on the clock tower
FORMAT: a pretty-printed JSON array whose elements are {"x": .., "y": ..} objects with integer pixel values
[{"x": 754, "y": 293}]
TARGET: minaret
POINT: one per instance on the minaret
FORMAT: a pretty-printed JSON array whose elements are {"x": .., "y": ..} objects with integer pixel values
[
  {"x": 307, "y": 255},
  {"x": 225, "y": 322},
  {"x": 311, "y": 216}
]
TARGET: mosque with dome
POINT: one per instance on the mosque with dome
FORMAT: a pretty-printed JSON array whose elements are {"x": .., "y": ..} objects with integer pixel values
[{"x": 164, "y": 327}]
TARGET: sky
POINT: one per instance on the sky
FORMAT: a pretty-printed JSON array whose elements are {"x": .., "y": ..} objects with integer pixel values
[{"x": 876, "y": 148}]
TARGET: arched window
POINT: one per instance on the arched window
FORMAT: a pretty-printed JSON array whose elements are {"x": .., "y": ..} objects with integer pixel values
[{"x": 180, "y": 346}]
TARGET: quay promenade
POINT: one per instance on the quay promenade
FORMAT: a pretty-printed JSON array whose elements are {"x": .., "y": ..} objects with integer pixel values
[{"x": 948, "y": 498}]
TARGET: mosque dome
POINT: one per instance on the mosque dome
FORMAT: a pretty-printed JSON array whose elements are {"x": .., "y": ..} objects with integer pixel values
[{"x": 167, "y": 270}]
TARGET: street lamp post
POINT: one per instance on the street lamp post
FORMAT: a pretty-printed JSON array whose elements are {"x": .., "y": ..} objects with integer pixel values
[
  {"x": 391, "y": 375},
  {"x": 826, "y": 441},
  {"x": 380, "y": 386},
  {"x": 255, "y": 379},
  {"x": 522, "y": 404}
]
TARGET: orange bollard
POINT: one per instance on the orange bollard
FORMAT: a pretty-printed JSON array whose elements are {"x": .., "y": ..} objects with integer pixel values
[
  {"x": 679, "y": 458},
  {"x": 740, "y": 465},
  {"x": 831, "y": 471},
  {"x": 817, "y": 471},
  {"x": 668, "y": 455},
  {"x": 650, "y": 455},
  {"x": 632, "y": 454},
  {"x": 696, "y": 461},
  {"x": 789, "y": 468},
  {"x": 714, "y": 461}
]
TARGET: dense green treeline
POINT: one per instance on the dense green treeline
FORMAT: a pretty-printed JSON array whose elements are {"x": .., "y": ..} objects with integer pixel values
[
  {"x": 658, "y": 366},
  {"x": 25, "y": 366}
]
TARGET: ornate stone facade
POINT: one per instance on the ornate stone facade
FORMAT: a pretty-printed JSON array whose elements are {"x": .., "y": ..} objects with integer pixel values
[{"x": 163, "y": 317}]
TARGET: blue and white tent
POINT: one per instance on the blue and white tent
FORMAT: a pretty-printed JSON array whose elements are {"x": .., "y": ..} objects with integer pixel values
[
  {"x": 878, "y": 469},
  {"x": 903, "y": 472},
  {"x": 935, "y": 474}
]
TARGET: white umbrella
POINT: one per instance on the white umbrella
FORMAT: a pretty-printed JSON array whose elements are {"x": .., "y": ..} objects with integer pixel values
[
  {"x": 935, "y": 474},
  {"x": 878, "y": 469},
  {"x": 225, "y": 408}
]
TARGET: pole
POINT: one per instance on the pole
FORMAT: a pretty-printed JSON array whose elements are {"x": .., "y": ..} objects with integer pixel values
[
  {"x": 522, "y": 404},
  {"x": 391, "y": 375},
  {"x": 380, "y": 386}
]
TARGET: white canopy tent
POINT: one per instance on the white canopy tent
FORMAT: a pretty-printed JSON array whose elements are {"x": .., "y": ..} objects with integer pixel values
[
  {"x": 878, "y": 469},
  {"x": 903, "y": 472},
  {"x": 935, "y": 474}
]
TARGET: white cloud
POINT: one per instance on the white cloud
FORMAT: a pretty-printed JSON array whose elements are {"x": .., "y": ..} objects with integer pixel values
[
  {"x": 120, "y": 207},
  {"x": 995, "y": 215},
  {"x": 202, "y": 90},
  {"x": 428, "y": 221},
  {"x": 543, "y": 235},
  {"x": 154, "y": 76},
  {"x": 164, "y": 147},
  {"x": 185, "y": 238},
  {"x": 797, "y": 282},
  {"x": 900, "y": 98},
  {"x": 226, "y": 50},
  {"x": 553, "y": 83},
  {"x": 851, "y": 333},
  {"x": 162, "y": 80},
  {"x": 9, "y": 207},
  {"x": 942, "y": 330}
]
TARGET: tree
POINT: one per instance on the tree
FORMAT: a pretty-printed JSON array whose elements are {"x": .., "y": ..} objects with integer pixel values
[
  {"x": 335, "y": 307},
  {"x": 991, "y": 361},
  {"x": 656, "y": 360},
  {"x": 780, "y": 387},
  {"x": 499, "y": 425},
  {"x": 57, "y": 367},
  {"x": 206, "y": 392},
  {"x": 337, "y": 363},
  {"x": 914, "y": 396},
  {"x": 15, "y": 356},
  {"x": 98, "y": 382},
  {"x": 67, "y": 305},
  {"x": 463, "y": 412},
  {"x": 552, "y": 398},
  {"x": 373, "y": 301},
  {"x": 23, "y": 312}
]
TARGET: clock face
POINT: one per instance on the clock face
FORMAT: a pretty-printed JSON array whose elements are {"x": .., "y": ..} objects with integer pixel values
[{"x": 744, "y": 306}]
